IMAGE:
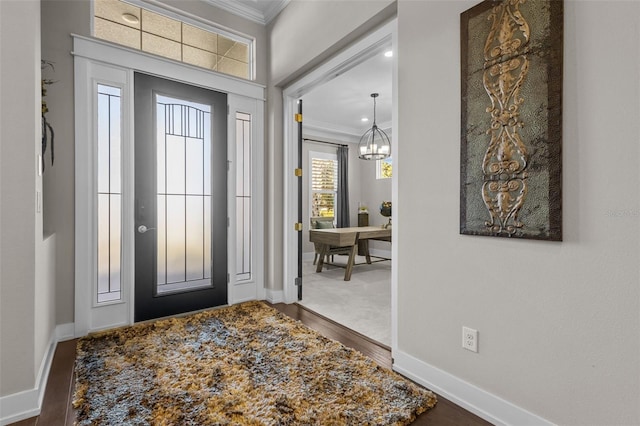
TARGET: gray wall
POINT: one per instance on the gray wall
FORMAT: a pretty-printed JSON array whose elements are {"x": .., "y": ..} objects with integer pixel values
[
  {"x": 60, "y": 18},
  {"x": 373, "y": 194},
  {"x": 26, "y": 289},
  {"x": 558, "y": 322}
]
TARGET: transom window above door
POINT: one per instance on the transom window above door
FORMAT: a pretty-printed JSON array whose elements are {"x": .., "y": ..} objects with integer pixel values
[{"x": 166, "y": 34}]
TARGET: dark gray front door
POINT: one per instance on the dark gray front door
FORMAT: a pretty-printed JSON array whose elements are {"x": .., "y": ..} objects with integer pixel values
[{"x": 180, "y": 196}]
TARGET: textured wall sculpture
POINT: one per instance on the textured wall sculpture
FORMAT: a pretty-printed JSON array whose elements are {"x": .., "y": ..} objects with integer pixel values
[{"x": 511, "y": 131}]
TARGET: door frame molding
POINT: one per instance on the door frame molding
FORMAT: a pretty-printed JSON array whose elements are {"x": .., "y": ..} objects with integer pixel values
[
  {"x": 340, "y": 63},
  {"x": 98, "y": 61}
]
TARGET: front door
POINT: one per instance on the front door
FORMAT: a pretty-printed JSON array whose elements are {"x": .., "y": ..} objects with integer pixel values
[{"x": 180, "y": 198}]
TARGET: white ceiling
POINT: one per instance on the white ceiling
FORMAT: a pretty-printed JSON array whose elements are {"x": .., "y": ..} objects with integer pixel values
[{"x": 340, "y": 104}]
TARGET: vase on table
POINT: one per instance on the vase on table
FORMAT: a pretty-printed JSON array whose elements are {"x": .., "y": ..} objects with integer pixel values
[{"x": 385, "y": 210}]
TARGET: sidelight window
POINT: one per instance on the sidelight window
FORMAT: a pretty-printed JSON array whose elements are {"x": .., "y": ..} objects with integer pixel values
[
  {"x": 109, "y": 193},
  {"x": 243, "y": 196}
]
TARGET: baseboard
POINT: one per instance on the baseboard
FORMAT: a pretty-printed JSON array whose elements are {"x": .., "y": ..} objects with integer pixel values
[
  {"x": 275, "y": 296},
  {"x": 19, "y": 406},
  {"x": 243, "y": 292},
  {"x": 27, "y": 404},
  {"x": 308, "y": 256},
  {"x": 65, "y": 332},
  {"x": 480, "y": 402}
]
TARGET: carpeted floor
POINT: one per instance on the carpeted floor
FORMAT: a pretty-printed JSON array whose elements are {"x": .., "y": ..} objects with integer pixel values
[
  {"x": 362, "y": 304},
  {"x": 243, "y": 365}
]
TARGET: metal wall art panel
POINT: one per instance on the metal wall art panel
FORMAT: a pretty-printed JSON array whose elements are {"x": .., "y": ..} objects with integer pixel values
[{"x": 511, "y": 132}]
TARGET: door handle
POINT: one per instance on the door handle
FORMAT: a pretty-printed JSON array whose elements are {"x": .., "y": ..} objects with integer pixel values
[{"x": 142, "y": 229}]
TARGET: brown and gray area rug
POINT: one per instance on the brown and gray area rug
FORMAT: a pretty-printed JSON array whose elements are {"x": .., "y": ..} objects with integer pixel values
[{"x": 246, "y": 364}]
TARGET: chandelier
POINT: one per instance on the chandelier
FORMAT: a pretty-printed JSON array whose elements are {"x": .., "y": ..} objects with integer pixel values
[{"x": 374, "y": 144}]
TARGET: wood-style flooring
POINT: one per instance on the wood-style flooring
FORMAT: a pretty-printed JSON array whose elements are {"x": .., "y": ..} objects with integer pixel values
[{"x": 57, "y": 409}]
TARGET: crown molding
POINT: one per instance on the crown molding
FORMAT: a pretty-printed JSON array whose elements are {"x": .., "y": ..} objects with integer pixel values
[
  {"x": 274, "y": 8},
  {"x": 342, "y": 133},
  {"x": 351, "y": 133},
  {"x": 260, "y": 16},
  {"x": 327, "y": 135}
]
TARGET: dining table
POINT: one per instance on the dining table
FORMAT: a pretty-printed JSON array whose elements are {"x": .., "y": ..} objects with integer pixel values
[{"x": 347, "y": 237}]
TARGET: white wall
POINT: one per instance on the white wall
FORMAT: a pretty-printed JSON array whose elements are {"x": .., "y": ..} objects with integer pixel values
[{"x": 558, "y": 322}]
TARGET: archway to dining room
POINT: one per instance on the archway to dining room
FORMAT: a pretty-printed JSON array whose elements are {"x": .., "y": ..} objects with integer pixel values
[{"x": 336, "y": 96}]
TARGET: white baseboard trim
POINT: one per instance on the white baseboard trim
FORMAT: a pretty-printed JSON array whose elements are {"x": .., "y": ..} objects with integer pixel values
[
  {"x": 28, "y": 403},
  {"x": 470, "y": 397},
  {"x": 19, "y": 406},
  {"x": 65, "y": 332},
  {"x": 243, "y": 292},
  {"x": 275, "y": 296}
]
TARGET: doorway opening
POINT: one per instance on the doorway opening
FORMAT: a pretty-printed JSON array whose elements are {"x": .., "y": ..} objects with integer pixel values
[{"x": 366, "y": 302}]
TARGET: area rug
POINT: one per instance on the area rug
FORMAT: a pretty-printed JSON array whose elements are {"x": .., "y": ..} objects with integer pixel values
[{"x": 246, "y": 364}]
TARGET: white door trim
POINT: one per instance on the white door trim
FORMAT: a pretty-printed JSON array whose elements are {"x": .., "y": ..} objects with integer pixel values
[
  {"x": 109, "y": 53},
  {"x": 99, "y": 61},
  {"x": 347, "y": 59},
  {"x": 89, "y": 316}
]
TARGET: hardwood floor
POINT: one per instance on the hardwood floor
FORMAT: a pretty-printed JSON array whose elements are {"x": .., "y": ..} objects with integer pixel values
[
  {"x": 445, "y": 413},
  {"x": 57, "y": 409}
]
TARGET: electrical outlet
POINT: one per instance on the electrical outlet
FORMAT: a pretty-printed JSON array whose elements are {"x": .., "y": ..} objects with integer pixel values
[{"x": 470, "y": 339}]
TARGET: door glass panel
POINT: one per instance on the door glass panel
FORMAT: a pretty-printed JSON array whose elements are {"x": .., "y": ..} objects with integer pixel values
[
  {"x": 195, "y": 237},
  {"x": 195, "y": 170},
  {"x": 109, "y": 194},
  {"x": 183, "y": 130},
  {"x": 175, "y": 160}
]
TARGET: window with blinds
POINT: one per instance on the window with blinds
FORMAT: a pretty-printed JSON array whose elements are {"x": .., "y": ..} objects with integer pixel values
[{"x": 324, "y": 185}]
